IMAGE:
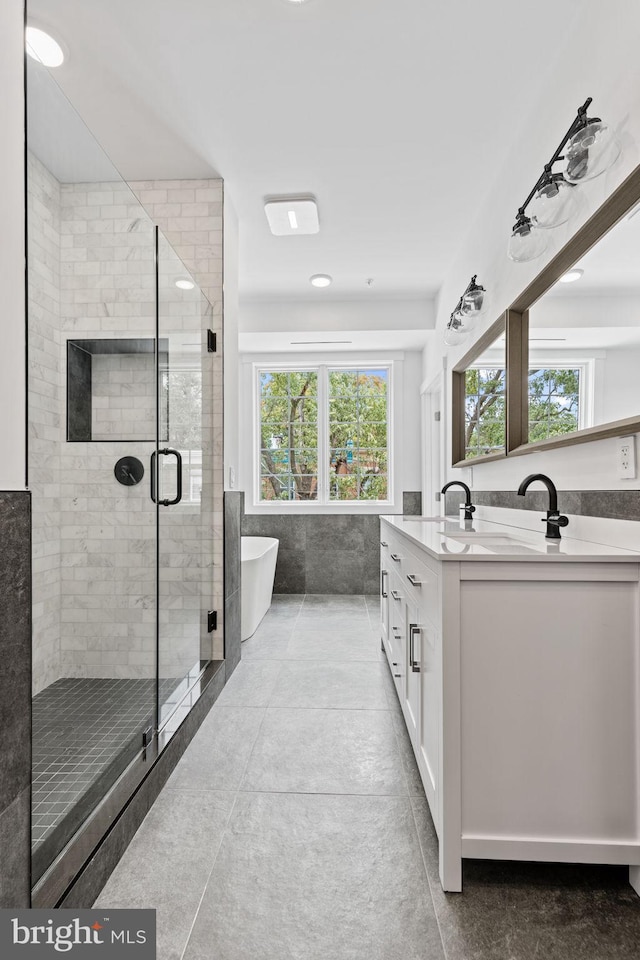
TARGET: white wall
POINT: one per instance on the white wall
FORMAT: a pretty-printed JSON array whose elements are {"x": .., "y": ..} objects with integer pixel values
[
  {"x": 336, "y": 315},
  {"x": 231, "y": 359},
  {"x": 12, "y": 315},
  {"x": 601, "y": 61}
]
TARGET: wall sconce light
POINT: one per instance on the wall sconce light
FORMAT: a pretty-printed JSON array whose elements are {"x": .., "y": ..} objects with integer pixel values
[
  {"x": 472, "y": 304},
  {"x": 591, "y": 148}
]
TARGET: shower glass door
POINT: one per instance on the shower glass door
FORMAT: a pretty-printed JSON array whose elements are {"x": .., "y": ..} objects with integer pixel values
[{"x": 184, "y": 468}]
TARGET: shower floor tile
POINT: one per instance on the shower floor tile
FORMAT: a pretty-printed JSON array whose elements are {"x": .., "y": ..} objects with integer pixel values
[{"x": 85, "y": 732}]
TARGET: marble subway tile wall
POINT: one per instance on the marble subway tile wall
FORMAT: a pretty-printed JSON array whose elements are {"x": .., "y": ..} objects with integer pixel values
[
  {"x": 92, "y": 273},
  {"x": 107, "y": 530},
  {"x": 190, "y": 215},
  {"x": 123, "y": 392},
  {"x": 45, "y": 417}
]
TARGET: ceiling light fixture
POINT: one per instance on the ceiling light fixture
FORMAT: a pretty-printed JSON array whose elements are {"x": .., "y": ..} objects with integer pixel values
[
  {"x": 320, "y": 280},
  {"x": 591, "y": 148},
  {"x": 471, "y": 304},
  {"x": 183, "y": 283},
  {"x": 571, "y": 275},
  {"x": 43, "y": 48},
  {"x": 289, "y": 216}
]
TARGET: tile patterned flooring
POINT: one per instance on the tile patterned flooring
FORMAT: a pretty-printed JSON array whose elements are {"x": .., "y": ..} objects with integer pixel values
[
  {"x": 295, "y": 827},
  {"x": 85, "y": 731}
]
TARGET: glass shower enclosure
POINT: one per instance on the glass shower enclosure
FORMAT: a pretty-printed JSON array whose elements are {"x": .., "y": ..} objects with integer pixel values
[{"x": 120, "y": 457}]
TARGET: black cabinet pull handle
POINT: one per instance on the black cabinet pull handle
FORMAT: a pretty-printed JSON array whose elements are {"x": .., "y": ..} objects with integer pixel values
[{"x": 167, "y": 452}]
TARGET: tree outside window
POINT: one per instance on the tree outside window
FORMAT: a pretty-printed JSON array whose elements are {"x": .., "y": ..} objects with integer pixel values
[
  {"x": 554, "y": 406},
  {"x": 347, "y": 438}
]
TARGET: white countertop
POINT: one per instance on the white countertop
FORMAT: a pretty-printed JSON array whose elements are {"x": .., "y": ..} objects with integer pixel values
[{"x": 500, "y": 542}]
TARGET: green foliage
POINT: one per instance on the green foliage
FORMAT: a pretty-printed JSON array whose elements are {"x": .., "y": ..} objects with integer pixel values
[
  {"x": 357, "y": 434},
  {"x": 554, "y": 396}
]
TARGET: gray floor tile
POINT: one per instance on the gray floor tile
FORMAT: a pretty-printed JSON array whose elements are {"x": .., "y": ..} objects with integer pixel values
[
  {"x": 217, "y": 756},
  {"x": 320, "y": 882},
  {"x": 275, "y": 629},
  {"x": 333, "y": 602},
  {"x": 259, "y": 647},
  {"x": 530, "y": 910},
  {"x": 335, "y": 684},
  {"x": 334, "y": 646},
  {"x": 326, "y": 751},
  {"x": 168, "y": 862},
  {"x": 324, "y": 929},
  {"x": 251, "y": 685}
]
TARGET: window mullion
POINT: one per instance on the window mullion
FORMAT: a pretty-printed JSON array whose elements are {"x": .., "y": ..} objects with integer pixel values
[{"x": 323, "y": 435}]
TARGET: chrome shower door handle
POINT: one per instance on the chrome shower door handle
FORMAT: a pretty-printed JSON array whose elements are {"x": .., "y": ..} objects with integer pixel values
[{"x": 167, "y": 452}]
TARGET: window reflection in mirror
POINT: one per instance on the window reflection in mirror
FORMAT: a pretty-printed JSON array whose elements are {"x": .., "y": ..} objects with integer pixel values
[
  {"x": 584, "y": 340},
  {"x": 485, "y": 402}
]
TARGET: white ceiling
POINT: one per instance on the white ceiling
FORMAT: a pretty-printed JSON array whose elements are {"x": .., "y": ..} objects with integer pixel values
[{"x": 392, "y": 114}]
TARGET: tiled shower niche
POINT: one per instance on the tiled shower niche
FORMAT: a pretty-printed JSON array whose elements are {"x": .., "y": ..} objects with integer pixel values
[{"x": 111, "y": 389}]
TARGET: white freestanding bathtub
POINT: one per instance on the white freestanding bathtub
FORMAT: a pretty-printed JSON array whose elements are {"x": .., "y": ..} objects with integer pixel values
[{"x": 258, "y": 557}]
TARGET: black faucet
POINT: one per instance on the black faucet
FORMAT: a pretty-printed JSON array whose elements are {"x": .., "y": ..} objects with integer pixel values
[
  {"x": 554, "y": 519},
  {"x": 469, "y": 509}
]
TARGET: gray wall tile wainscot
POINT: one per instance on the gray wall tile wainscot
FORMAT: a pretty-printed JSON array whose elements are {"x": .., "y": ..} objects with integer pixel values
[
  {"x": 233, "y": 507},
  {"x": 612, "y": 504},
  {"x": 326, "y": 553},
  {"x": 15, "y": 698}
]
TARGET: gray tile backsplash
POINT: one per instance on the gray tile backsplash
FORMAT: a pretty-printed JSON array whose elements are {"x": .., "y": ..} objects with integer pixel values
[
  {"x": 326, "y": 553},
  {"x": 613, "y": 504},
  {"x": 15, "y": 697}
]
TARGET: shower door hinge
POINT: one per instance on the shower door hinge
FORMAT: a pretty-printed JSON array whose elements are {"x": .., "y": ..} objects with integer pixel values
[
  {"x": 212, "y": 341},
  {"x": 212, "y": 620}
]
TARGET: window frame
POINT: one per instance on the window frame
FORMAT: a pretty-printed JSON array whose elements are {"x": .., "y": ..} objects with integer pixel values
[{"x": 323, "y": 503}]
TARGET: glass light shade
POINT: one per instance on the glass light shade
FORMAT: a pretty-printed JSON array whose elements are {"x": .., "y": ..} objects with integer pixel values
[
  {"x": 553, "y": 204},
  {"x": 526, "y": 243},
  {"x": 454, "y": 334},
  {"x": 590, "y": 151},
  {"x": 473, "y": 303}
]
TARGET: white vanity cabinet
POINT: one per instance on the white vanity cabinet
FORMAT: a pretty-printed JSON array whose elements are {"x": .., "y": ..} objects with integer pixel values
[{"x": 517, "y": 667}]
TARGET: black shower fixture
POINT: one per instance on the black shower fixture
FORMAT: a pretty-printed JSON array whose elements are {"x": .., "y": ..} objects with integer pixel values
[{"x": 588, "y": 148}]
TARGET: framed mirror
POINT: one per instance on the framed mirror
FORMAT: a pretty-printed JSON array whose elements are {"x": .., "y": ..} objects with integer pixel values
[
  {"x": 560, "y": 367},
  {"x": 581, "y": 327},
  {"x": 485, "y": 395}
]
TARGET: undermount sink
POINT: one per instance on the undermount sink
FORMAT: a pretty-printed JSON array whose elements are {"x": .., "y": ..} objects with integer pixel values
[{"x": 490, "y": 538}]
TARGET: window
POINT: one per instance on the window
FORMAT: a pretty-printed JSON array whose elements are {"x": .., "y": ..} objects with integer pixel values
[
  {"x": 485, "y": 409},
  {"x": 554, "y": 401},
  {"x": 324, "y": 434},
  {"x": 557, "y": 397}
]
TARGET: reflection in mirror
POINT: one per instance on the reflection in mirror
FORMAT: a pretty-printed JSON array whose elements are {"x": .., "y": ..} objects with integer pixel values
[
  {"x": 485, "y": 402},
  {"x": 584, "y": 340}
]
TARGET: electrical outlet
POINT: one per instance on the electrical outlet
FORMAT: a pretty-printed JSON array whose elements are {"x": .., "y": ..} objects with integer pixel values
[{"x": 627, "y": 458}]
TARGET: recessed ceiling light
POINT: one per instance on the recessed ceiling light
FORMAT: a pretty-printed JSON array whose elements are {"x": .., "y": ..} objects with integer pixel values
[
  {"x": 43, "y": 48},
  {"x": 289, "y": 217},
  {"x": 571, "y": 275},
  {"x": 320, "y": 280},
  {"x": 183, "y": 283}
]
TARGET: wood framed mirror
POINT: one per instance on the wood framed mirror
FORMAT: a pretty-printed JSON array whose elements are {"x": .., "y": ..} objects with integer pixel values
[{"x": 571, "y": 350}]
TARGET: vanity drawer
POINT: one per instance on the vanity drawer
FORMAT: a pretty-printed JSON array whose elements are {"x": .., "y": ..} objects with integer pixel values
[{"x": 422, "y": 587}]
